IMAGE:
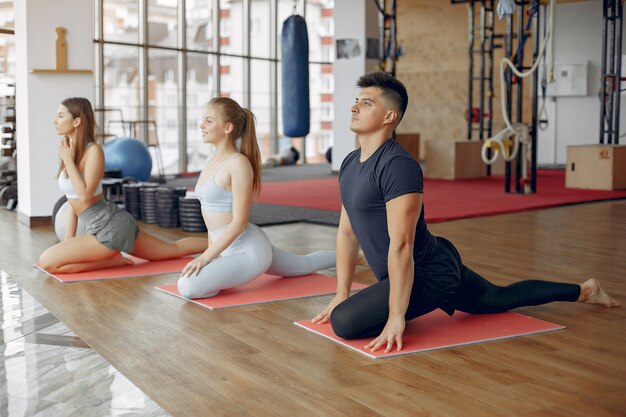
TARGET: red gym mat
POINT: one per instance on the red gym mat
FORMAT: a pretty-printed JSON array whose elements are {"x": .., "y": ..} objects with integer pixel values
[
  {"x": 266, "y": 288},
  {"x": 437, "y": 330},
  {"x": 445, "y": 200},
  {"x": 140, "y": 268}
]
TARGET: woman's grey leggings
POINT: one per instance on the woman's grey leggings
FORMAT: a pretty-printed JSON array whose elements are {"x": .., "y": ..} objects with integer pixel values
[{"x": 249, "y": 256}]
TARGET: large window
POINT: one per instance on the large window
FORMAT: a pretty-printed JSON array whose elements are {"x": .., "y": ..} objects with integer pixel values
[
  {"x": 163, "y": 23},
  {"x": 7, "y": 42},
  {"x": 163, "y": 105},
  {"x": 7, "y": 83},
  {"x": 163, "y": 64},
  {"x": 200, "y": 89},
  {"x": 261, "y": 103},
  {"x": 120, "y": 20},
  {"x": 199, "y": 22},
  {"x": 121, "y": 90}
]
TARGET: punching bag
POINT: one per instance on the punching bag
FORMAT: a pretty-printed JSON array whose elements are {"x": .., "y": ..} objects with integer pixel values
[{"x": 294, "y": 44}]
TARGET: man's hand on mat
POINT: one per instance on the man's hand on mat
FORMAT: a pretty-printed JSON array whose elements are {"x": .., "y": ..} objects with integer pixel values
[
  {"x": 392, "y": 333},
  {"x": 325, "y": 314},
  {"x": 194, "y": 267}
]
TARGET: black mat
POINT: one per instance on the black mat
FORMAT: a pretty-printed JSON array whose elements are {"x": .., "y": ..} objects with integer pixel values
[
  {"x": 269, "y": 214},
  {"x": 298, "y": 172}
]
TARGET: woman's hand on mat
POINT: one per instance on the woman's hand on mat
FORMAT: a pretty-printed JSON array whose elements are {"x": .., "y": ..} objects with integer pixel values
[
  {"x": 391, "y": 334},
  {"x": 324, "y": 316},
  {"x": 194, "y": 267},
  {"x": 65, "y": 150}
]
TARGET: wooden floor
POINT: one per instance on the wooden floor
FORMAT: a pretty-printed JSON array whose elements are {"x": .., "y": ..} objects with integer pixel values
[{"x": 252, "y": 361}]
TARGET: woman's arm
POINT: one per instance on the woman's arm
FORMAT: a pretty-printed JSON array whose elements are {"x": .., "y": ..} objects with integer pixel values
[{"x": 84, "y": 184}]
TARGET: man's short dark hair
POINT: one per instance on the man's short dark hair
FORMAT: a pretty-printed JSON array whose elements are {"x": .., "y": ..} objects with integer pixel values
[{"x": 392, "y": 89}]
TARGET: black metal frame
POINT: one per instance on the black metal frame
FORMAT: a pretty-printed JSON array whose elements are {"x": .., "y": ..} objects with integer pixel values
[
  {"x": 389, "y": 36},
  {"x": 487, "y": 53},
  {"x": 486, "y": 37},
  {"x": 518, "y": 36},
  {"x": 485, "y": 49},
  {"x": 611, "y": 72}
]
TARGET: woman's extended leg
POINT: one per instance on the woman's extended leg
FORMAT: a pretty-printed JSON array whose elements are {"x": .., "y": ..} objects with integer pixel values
[
  {"x": 152, "y": 248},
  {"x": 80, "y": 254},
  {"x": 286, "y": 264}
]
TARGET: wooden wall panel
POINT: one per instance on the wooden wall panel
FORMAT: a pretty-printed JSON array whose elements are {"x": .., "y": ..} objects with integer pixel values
[{"x": 434, "y": 36}]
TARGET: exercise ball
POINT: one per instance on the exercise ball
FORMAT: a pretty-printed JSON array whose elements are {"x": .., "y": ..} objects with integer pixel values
[
  {"x": 59, "y": 217},
  {"x": 130, "y": 156}
]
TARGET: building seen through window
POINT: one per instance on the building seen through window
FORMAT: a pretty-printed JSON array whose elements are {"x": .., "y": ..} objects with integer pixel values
[{"x": 215, "y": 63}]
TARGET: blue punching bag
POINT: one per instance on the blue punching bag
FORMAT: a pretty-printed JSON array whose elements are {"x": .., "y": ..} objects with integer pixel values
[{"x": 294, "y": 44}]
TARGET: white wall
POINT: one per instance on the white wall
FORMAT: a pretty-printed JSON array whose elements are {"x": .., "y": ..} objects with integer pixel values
[
  {"x": 38, "y": 95},
  {"x": 362, "y": 16},
  {"x": 575, "y": 120}
]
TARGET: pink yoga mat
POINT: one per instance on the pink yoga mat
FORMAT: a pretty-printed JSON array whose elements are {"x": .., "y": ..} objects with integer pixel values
[
  {"x": 437, "y": 330},
  {"x": 266, "y": 288},
  {"x": 140, "y": 268}
]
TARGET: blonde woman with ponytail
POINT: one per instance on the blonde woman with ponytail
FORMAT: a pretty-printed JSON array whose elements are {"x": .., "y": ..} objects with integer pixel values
[{"x": 238, "y": 251}]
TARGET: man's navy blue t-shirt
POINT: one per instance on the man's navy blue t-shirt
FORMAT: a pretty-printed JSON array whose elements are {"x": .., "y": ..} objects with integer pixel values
[{"x": 367, "y": 186}]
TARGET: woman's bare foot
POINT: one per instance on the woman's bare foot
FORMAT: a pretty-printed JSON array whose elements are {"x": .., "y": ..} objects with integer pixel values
[
  {"x": 115, "y": 260},
  {"x": 592, "y": 293}
]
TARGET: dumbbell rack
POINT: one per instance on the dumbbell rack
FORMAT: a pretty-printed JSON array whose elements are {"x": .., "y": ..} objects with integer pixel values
[{"x": 8, "y": 169}]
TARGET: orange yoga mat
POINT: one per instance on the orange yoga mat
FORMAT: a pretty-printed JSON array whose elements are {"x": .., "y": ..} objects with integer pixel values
[
  {"x": 437, "y": 330},
  {"x": 266, "y": 288},
  {"x": 140, "y": 268}
]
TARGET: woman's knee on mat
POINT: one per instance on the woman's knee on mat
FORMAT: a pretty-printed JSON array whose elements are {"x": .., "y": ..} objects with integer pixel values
[
  {"x": 188, "y": 287},
  {"x": 47, "y": 261}
]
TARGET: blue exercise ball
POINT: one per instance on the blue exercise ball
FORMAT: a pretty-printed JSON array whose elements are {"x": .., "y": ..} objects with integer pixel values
[{"x": 130, "y": 156}]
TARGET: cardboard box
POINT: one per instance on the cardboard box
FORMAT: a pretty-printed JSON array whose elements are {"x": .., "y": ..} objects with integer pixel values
[
  {"x": 454, "y": 160},
  {"x": 410, "y": 142},
  {"x": 596, "y": 167}
]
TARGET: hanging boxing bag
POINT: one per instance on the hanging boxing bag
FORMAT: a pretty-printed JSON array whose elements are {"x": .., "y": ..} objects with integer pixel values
[{"x": 294, "y": 45}]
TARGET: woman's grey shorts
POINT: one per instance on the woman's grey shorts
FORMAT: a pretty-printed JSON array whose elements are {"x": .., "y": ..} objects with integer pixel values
[{"x": 112, "y": 226}]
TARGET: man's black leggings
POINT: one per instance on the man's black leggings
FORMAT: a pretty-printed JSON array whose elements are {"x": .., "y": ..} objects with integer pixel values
[{"x": 365, "y": 313}]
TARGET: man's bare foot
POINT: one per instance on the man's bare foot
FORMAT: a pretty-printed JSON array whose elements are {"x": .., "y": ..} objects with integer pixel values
[{"x": 592, "y": 293}]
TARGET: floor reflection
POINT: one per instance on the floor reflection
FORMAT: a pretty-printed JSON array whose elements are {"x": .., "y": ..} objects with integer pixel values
[{"x": 46, "y": 370}]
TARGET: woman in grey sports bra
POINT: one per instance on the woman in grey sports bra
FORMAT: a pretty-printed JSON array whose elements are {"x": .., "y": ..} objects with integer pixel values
[
  {"x": 238, "y": 251},
  {"x": 110, "y": 230}
]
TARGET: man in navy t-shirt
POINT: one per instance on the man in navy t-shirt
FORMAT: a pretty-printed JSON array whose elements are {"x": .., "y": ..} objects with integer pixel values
[{"x": 381, "y": 189}]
